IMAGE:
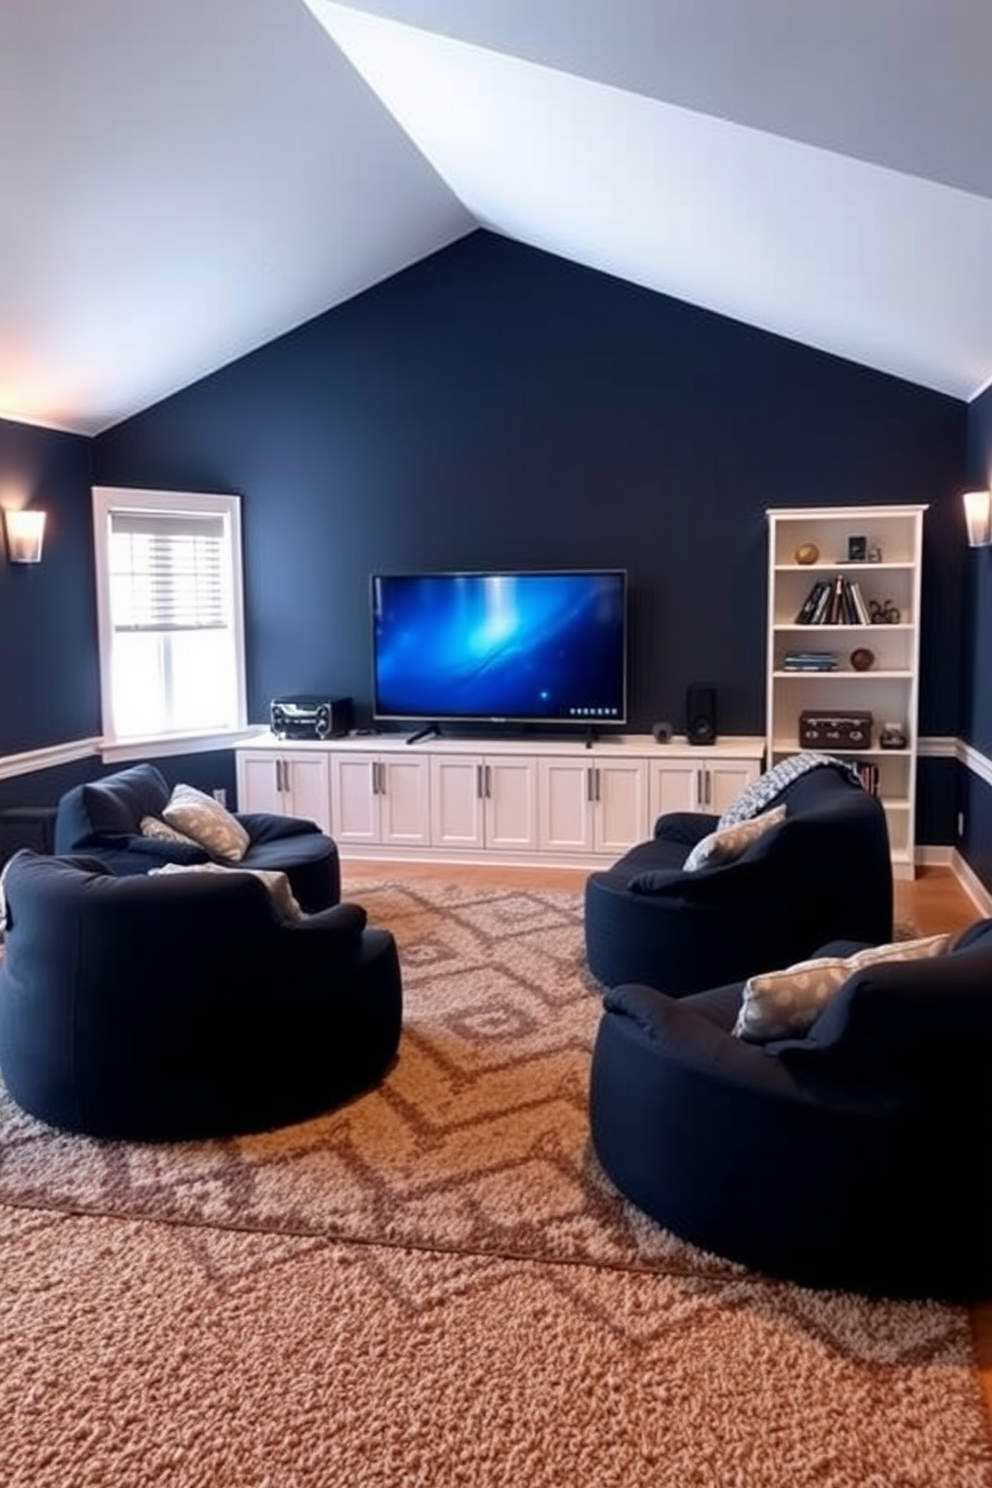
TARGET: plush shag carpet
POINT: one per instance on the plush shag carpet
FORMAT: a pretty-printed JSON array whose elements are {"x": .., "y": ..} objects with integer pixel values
[{"x": 437, "y": 1285}]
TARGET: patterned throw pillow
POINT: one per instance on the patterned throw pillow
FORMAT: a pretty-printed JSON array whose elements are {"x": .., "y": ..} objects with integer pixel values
[
  {"x": 160, "y": 831},
  {"x": 761, "y": 792},
  {"x": 274, "y": 879},
  {"x": 785, "y": 1004},
  {"x": 209, "y": 823},
  {"x": 726, "y": 845}
]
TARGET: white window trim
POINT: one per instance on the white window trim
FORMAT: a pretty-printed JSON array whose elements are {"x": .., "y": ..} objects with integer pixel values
[{"x": 110, "y": 498}]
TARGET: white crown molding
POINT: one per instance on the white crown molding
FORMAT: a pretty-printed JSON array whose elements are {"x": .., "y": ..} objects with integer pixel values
[{"x": 982, "y": 387}]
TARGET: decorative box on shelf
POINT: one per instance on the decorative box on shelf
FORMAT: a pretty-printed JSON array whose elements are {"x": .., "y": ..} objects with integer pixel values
[{"x": 835, "y": 730}]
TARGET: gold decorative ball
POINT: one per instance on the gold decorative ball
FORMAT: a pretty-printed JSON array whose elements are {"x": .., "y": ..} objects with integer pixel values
[{"x": 807, "y": 553}]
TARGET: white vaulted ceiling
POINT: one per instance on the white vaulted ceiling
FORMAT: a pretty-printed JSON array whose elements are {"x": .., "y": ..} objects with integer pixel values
[{"x": 181, "y": 182}]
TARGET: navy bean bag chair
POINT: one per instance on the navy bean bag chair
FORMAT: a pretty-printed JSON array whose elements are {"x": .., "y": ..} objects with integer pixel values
[
  {"x": 822, "y": 873},
  {"x": 850, "y": 1155},
  {"x": 102, "y": 818},
  {"x": 184, "y": 1005}
]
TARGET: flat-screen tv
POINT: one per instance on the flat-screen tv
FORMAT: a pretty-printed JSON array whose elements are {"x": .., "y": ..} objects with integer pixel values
[{"x": 514, "y": 647}]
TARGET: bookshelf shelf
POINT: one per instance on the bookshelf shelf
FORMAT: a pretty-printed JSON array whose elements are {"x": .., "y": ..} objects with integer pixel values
[
  {"x": 849, "y": 673},
  {"x": 851, "y": 598},
  {"x": 815, "y": 630}
]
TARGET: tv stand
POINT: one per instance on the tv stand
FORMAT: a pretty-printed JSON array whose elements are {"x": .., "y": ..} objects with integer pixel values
[
  {"x": 432, "y": 730},
  {"x": 491, "y": 800}
]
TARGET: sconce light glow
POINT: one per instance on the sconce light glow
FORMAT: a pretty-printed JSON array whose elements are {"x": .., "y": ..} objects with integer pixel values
[
  {"x": 978, "y": 517},
  {"x": 25, "y": 535}
]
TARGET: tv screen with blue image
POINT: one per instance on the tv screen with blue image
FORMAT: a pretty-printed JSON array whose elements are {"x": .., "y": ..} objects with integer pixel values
[{"x": 508, "y": 647}]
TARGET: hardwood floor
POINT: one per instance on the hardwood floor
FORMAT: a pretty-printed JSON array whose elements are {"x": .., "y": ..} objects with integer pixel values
[{"x": 932, "y": 902}]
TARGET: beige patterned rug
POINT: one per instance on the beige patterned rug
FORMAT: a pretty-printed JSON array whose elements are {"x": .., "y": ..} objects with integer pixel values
[{"x": 437, "y": 1284}]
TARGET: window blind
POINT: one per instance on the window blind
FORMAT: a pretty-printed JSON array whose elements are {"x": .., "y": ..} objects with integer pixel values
[{"x": 167, "y": 571}]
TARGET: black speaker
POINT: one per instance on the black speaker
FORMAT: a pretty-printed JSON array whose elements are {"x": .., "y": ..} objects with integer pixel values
[{"x": 700, "y": 715}]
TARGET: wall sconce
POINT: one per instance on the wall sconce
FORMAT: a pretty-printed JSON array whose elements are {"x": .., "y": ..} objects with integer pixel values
[
  {"x": 978, "y": 518},
  {"x": 25, "y": 534}
]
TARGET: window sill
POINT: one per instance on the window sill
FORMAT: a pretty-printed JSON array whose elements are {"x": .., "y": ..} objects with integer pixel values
[{"x": 159, "y": 746}]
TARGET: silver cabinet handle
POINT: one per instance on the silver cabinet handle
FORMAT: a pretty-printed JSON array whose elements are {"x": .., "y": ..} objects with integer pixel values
[
  {"x": 489, "y": 783},
  {"x": 596, "y": 779},
  {"x": 590, "y": 785},
  {"x": 479, "y": 787}
]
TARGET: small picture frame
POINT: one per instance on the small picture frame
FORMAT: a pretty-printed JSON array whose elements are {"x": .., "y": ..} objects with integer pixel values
[{"x": 857, "y": 550}]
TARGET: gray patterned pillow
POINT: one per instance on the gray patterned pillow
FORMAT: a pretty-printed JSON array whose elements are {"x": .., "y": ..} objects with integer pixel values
[
  {"x": 209, "y": 823},
  {"x": 160, "y": 831},
  {"x": 726, "y": 845},
  {"x": 785, "y": 1004}
]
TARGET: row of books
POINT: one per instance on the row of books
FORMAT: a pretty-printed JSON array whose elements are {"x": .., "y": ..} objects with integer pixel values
[
  {"x": 869, "y": 775},
  {"x": 809, "y": 661},
  {"x": 836, "y": 601}
]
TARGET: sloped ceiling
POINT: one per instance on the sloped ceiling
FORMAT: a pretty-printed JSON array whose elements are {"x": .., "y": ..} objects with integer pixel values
[{"x": 181, "y": 182}]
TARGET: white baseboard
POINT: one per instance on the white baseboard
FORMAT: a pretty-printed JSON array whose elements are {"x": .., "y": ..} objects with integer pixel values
[
  {"x": 936, "y": 857},
  {"x": 949, "y": 857},
  {"x": 971, "y": 883}
]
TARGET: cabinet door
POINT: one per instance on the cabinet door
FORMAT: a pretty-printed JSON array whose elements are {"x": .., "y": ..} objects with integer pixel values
[
  {"x": 621, "y": 805},
  {"x": 565, "y": 795},
  {"x": 726, "y": 781},
  {"x": 354, "y": 797},
  {"x": 309, "y": 792},
  {"x": 511, "y": 803},
  {"x": 675, "y": 786},
  {"x": 404, "y": 816},
  {"x": 260, "y": 782},
  {"x": 456, "y": 804}
]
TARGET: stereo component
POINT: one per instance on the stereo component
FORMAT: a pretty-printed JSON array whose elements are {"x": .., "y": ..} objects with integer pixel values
[{"x": 309, "y": 717}]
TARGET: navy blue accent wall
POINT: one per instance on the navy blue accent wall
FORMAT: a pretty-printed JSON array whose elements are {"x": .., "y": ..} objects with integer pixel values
[
  {"x": 975, "y": 805},
  {"x": 937, "y": 800},
  {"x": 975, "y": 795},
  {"x": 495, "y": 406},
  {"x": 976, "y": 711},
  {"x": 206, "y": 771},
  {"x": 49, "y": 672}
]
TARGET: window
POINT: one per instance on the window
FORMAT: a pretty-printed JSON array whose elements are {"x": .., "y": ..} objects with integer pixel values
[{"x": 169, "y": 603}]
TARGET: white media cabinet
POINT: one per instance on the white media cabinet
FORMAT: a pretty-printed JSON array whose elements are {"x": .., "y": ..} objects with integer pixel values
[{"x": 491, "y": 800}]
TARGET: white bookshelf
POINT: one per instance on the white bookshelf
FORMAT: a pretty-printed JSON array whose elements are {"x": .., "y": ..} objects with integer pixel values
[{"x": 889, "y": 688}]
